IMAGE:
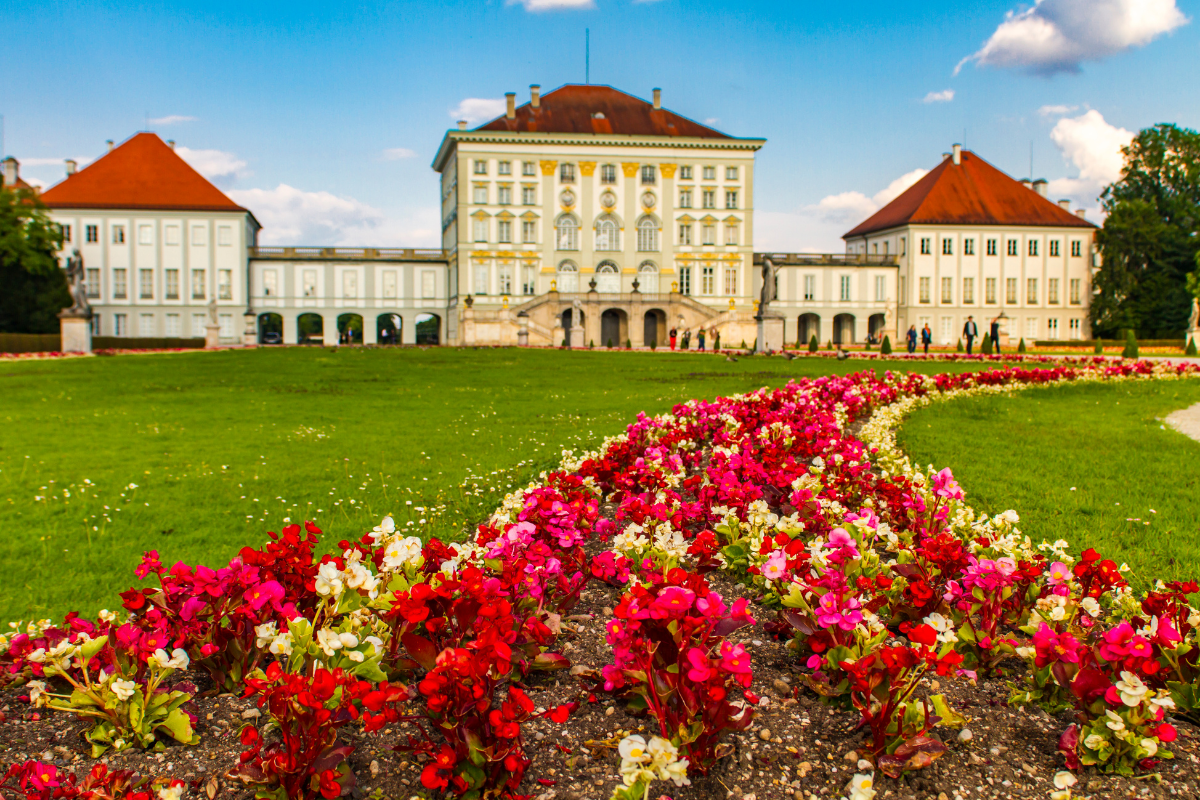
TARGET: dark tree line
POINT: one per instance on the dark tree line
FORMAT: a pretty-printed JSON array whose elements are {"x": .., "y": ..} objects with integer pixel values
[{"x": 33, "y": 287}]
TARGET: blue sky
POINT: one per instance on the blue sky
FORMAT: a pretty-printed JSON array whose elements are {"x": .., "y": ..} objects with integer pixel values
[{"x": 323, "y": 119}]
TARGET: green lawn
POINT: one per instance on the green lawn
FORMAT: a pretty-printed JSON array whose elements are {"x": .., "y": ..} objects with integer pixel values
[
  {"x": 1092, "y": 464},
  {"x": 198, "y": 454}
]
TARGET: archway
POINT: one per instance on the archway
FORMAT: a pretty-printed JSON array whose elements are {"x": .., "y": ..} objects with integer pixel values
[
  {"x": 875, "y": 325},
  {"x": 310, "y": 329},
  {"x": 614, "y": 328},
  {"x": 568, "y": 316},
  {"x": 389, "y": 329},
  {"x": 350, "y": 329},
  {"x": 608, "y": 278},
  {"x": 654, "y": 327},
  {"x": 568, "y": 277},
  {"x": 809, "y": 326},
  {"x": 429, "y": 329},
  {"x": 648, "y": 277},
  {"x": 270, "y": 328},
  {"x": 843, "y": 329}
]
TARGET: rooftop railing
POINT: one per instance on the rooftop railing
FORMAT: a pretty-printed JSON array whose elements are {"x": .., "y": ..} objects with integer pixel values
[
  {"x": 829, "y": 259},
  {"x": 349, "y": 253}
]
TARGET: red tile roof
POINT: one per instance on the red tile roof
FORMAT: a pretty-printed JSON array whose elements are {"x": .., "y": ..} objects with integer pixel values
[
  {"x": 971, "y": 193},
  {"x": 143, "y": 172},
  {"x": 574, "y": 108}
]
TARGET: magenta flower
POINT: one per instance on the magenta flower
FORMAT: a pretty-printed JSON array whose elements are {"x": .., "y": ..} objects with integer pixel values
[
  {"x": 734, "y": 658},
  {"x": 1052, "y": 646},
  {"x": 268, "y": 592},
  {"x": 1058, "y": 573},
  {"x": 945, "y": 487},
  {"x": 831, "y": 612},
  {"x": 699, "y": 670},
  {"x": 673, "y": 601},
  {"x": 1116, "y": 642},
  {"x": 711, "y": 605}
]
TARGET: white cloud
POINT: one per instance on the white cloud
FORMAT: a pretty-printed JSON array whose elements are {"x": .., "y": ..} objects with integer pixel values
[
  {"x": 172, "y": 119},
  {"x": 1056, "y": 111},
  {"x": 939, "y": 97},
  {"x": 551, "y": 5},
  {"x": 712, "y": 120},
  {"x": 1058, "y": 35},
  {"x": 52, "y": 162},
  {"x": 398, "y": 153},
  {"x": 295, "y": 217},
  {"x": 478, "y": 109},
  {"x": 218, "y": 166},
  {"x": 1093, "y": 147}
]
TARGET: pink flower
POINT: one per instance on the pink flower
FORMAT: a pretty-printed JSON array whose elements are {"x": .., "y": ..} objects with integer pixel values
[
  {"x": 1058, "y": 573},
  {"x": 1140, "y": 646},
  {"x": 699, "y": 670},
  {"x": 711, "y": 605},
  {"x": 673, "y": 601},
  {"x": 44, "y": 776},
  {"x": 1116, "y": 642},
  {"x": 268, "y": 592},
  {"x": 945, "y": 487},
  {"x": 734, "y": 658},
  {"x": 1052, "y": 646},
  {"x": 739, "y": 612},
  {"x": 832, "y": 613},
  {"x": 150, "y": 563},
  {"x": 775, "y": 567},
  {"x": 843, "y": 545}
]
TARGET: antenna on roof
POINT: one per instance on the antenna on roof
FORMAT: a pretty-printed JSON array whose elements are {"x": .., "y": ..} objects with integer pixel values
[
  {"x": 1031, "y": 159},
  {"x": 587, "y": 55}
]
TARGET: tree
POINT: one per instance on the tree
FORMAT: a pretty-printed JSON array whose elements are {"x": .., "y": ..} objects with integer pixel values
[
  {"x": 1131, "y": 345},
  {"x": 985, "y": 347},
  {"x": 812, "y": 344},
  {"x": 1150, "y": 237},
  {"x": 34, "y": 285},
  {"x": 886, "y": 348}
]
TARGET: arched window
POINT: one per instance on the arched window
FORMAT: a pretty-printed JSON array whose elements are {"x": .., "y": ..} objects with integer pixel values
[
  {"x": 567, "y": 229},
  {"x": 608, "y": 278},
  {"x": 647, "y": 235},
  {"x": 568, "y": 277},
  {"x": 608, "y": 234},
  {"x": 648, "y": 277}
]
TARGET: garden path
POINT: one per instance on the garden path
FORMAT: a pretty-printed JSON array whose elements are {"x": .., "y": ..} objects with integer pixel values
[{"x": 1186, "y": 421}]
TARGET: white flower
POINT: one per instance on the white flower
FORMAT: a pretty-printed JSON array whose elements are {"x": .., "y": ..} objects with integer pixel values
[
  {"x": 123, "y": 689},
  {"x": 1094, "y": 742},
  {"x": 676, "y": 772},
  {"x": 173, "y": 792},
  {"x": 329, "y": 579},
  {"x": 943, "y": 625},
  {"x": 400, "y": 552},
  {"x": 1058, "y": 613},
  {"x": 355, "y": 656},
  {"x": 1150, "y": 746},
  {"x": 359, "y": 577},
  {"x": 1164, "y": 700},
  {"x": 281, "y": 645},
  {"x": 861, "y": 787},
  {"x": 36, "y": 690},
  {"x": 632, "y": 748},
  {"x": 1114, "y": 721},
  {"x": 1091, "y": 606},
  {"x": 1131, "y": 689},
  {"x": 178, "y": 658},
  {"x": 348, "y": 639},
  {"x": 1064, "y": 779},
  {"x": 265, "y": 633},
  {"x": 329, "y": 641},
  {"x": 1027, "y": 652}
]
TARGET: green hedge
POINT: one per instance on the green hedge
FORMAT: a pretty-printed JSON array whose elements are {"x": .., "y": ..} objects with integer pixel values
[
  {"x": 143, "y": 343},
  {"x": 1180, "y": 343},
  {"x": 30, "y": 342}
]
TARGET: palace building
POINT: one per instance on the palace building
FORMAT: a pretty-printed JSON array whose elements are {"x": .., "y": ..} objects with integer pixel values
[{"x": 586, "y": 216}]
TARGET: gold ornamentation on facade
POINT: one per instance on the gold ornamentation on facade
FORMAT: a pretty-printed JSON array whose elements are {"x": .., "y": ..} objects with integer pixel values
[
  {"x": 548, "y": 167},
  {"x": 586, "y": 168},
  {"x": 630, "y": 170},
  {"x": 668, "y": 170}
]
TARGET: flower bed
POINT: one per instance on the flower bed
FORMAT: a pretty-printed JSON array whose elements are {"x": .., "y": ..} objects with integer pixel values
[{"x": 757, "y": 594}]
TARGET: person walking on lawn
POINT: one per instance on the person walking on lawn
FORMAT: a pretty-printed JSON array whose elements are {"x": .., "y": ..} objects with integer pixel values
[
  {"x": 700, "y": 338},
  {"x": 672, "y": 334},
  {"x": 926, "y": 337},
  {"x": 911, "y": 339},
  {"x": 970, "y": 331},
  {"x": 995, "y": 331}
]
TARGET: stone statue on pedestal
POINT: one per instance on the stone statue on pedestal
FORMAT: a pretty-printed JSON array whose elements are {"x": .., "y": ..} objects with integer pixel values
[
  {"x": 1193, "y": 322},
  {"x": 768, "y": 286},
  {"x": 212, "y": 311},
  {"x": 78, "y": 279}
]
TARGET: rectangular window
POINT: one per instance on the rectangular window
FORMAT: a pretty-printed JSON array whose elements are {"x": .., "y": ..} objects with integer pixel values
[
  {"x": 528, "y": 169},
  {"x": 968, "y": 247},
  {"x": 685, "y": 233},
  {"x": 731, "y": 198},
  {"x": 482, "y": 278},
  {"x": 528, "y": 195},
  {"x": 844, "y": 283},
  {"x": 1052, "y": 290},
  {"x": 224, "y": 236},
  {"x": 903, "y": 245},
  {"x": 1076, "y": 329},
  {"x": 199, "y": 235},
  {"x": 66, "y": 232},
  {"x": 120, "y": 290},
  {"x": 118, "y": 234},
  {"x": 707, "y": 279},
  {"x": 989, "y": 286},
  {"x": 685, "y": 198},
  {"x": 480, "y": 230},
  {"x": 225, "y": 284},
  {"x": 648, "y": 175},
  {"x": 810, "y": 287},
  {"x": 226, "y": 323},
  {"x": 93, "y": 282},
  {"x": 120, "y": 326},
  {"x": 947, "y": 290},
  {"x": 527, "y": 280},
  {"x": 1010, "y": 291},
  {"x": 270, "y": 279},
  {"x": 1077, "y": 249},
  {"x": 1051, "y": 329},
  {"x": 1012, "y": 247},
  {"x": 504, "y": 168},
  {"x": 947, "y": 329},
  {"x": 685, "y": 280},
  {"x": 1033, "y": 247},
  {"x": 310, "y": 283},
  {"x": 145, "y": 325},
  {"x": 504, "y": 195},
  {"x": 991, "y": 247},
  {"x": 479, "y": 194},
  {"x": 947, "y": 247},
  {"x": 608, "y": 174},
  {"x": 481, "y": 166},
  {"x": 926, "y": 246},
  {"x": 710, "y": 234},
  {"x": 731, "y": 173},
  {"x": 145, "y": 234},
  {"x": 731, "y": 233},
  {"x": 1075, "y": 284},
  {"x": 1031, "y": 327},
  {"x": 504, "y": 231},
  {"x": 566, "y": 173},
  {"x": 709, "y": 198},
  {"x": 505, "y": 279},
  {"x": 198, "y": 284},
  {"x": 91, "y": 233},
  {"x": 199, "y": 323},
  {"x": 1054, "y": 248},
  {"x": 685, "y": 173},
  {"x": 146, "y": 284},
  {"x": 710, "y": 173},
  {"x": 390, "y": 286},
  {"x": 429, "y": 283},
  {"x": 171, "y": 284},
  {"x": 731, "y": 280},
  {"x": 172, "y": 234},
  {"x": 529, "y": 232},
  {"x": 172, "y": 328},
  {"x": 923, "y": 289},
  {"x": 1031, "y": 292},
  {"x": 968, "y": 294}
]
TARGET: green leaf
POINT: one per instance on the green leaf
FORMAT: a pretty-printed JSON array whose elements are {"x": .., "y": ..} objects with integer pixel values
[
  {"x": 180, "y": 727},
  {"x": 950, "y": 717}
]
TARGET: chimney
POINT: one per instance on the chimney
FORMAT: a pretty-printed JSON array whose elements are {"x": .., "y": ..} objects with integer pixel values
[
  {"x": 657, "y": 99},
  {"x": 1041, "y": 187},
  {"x": 462, "y": 124},
  {"x": 109, "y": 143},
  {"x": 957, "y": 151},
  {"x": 71, "y": 167},
  {"x": 11, "y": 171},
  {"x": 1081, "y": 213},
  {"x": 535, "y": 95},
  {"x": 510, "y": 102},
  {"x": 171, "y": 143},
  {"x": 1065, "y": 204},
  {"x": 1028, "y": 184}
]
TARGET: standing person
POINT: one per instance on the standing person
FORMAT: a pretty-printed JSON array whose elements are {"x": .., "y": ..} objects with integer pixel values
[
  {"x": 700, "y": 339},
  {"x": 911, "y": 338},
  {"x": 970, "y": 331},
  {"x": 672, "y": 333},
  {"x": 716, "y": 339},
  {"x": 995, "y": 331},
  {"x": 926, "y": 337}
]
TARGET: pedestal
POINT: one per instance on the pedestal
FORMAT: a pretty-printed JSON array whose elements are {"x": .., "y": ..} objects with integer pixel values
[
  {"x": 212, "y": 336},
  {"x": 76, "y": 332},
  {"x": 523, "y": 337},
  {"x": 1192, "y": 336},
  {"x": 770, "y": 333},
  {"x": 250, "y": 332},
  {"x": 577, "y": 336}
]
